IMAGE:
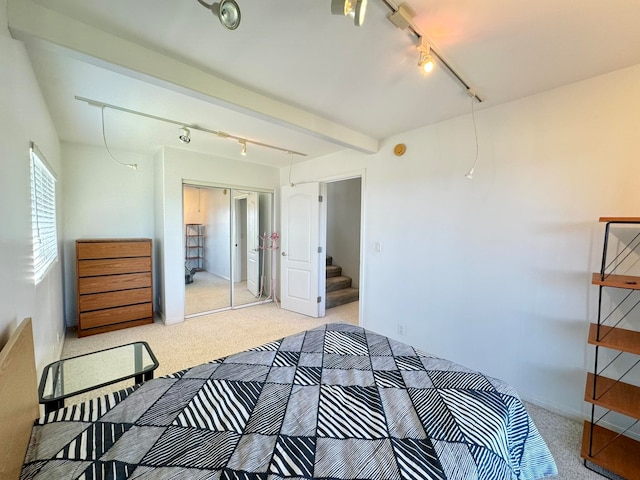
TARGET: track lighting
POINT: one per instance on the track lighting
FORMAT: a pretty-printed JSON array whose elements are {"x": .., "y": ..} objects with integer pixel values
[
  {"x": 356, "y": 8},
  {"x": 403, "y": 16},
  {"x": 184, "y": 135},
  {"x": 426, "y": 60},
  {"x": 227, "y": 11}
]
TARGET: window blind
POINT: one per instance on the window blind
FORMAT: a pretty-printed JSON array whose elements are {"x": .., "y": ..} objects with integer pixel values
[{"x": 43, "y": 215}]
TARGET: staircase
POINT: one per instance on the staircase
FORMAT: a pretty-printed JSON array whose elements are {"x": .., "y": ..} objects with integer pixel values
[{"x": 339, "y": 289}]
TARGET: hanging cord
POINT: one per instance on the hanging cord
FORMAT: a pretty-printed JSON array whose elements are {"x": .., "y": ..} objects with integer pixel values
[
  {"x": 290, "y": 167},
  {"x": 132, "y": 166},
  {"x": 469, "y": 174}
]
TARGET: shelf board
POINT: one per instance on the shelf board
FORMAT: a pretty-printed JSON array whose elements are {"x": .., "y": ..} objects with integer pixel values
[
  {"x": 618, "y": 396},
  {"x": 620, "y": 219},
  {"x": 616, "y": 338},
  {"x": 620, "y": 457},
  {"x": 617, "y": 281}
]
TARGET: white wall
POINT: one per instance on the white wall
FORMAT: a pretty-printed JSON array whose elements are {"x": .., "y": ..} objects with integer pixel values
[
  {"x": 343, "y": 226},
  {"x": 180, "y": 166},
  {"x": 4, "y": 31},
  {"x": 23, "y": 118},
  {"x": 102, "y": 199},
  {"x": 495, "y": 272}
]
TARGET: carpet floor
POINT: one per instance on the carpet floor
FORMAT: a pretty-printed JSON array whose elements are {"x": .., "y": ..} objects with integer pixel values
[{"x": 201, "y": 339}]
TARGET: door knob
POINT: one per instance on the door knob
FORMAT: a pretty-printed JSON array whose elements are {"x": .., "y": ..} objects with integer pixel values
[{"x": 284, "y": 254}]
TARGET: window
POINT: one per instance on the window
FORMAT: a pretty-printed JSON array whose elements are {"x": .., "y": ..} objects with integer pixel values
[{"x": 43, "y": 215}]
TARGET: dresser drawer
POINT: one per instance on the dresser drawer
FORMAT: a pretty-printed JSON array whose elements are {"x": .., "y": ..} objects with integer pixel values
[
  {"x": 113, "y": 266},
  {"x": 106, "y": 249},
  {"x": 113, "y": 282},
  {"x": 112, "y": 316},
  {"x": 96, "y": 301}
]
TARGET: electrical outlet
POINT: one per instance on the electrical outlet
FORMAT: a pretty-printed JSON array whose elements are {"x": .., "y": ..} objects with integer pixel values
[
  {"x": 378, "y": 247},
  {"x": 401, "y": 329}
]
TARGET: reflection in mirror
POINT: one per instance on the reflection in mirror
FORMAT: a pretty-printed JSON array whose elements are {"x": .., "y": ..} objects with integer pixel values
[
  {"x": 207, "y": 230},
  {"x": 251, "y": 260},
  {"x": 227, "y": 264}
]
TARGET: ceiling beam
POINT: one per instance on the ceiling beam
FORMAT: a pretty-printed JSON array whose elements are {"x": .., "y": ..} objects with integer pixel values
[{"x": 29, "y": 19}]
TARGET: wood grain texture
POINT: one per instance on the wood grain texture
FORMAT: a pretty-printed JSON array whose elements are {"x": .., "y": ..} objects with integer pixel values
[
  {"x": 90, "y": 249},
  {"x": 613, "y": 395},
  {"x": 88, "y": 285},
  {"x": 616, "y": 281},
  {"x": 98, "y": 301},
  {"x": 112, "y": 316},
  {"x": 18, "y": 399},
  {"x": 115, "y": 284},
  {"x": 616, "y": 338},
  {"x": 616, "y": 454},
  {"x": 113, "y": 266},
  {"x": 620, "y": 219}
]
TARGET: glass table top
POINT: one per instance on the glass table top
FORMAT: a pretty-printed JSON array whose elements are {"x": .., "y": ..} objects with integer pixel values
[{"x": 75, "y": 375}]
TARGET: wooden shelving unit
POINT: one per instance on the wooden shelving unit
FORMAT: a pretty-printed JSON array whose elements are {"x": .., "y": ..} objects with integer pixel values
[
  {"x": 618, "y": 454},
  {"x": 614, "y": 451}
]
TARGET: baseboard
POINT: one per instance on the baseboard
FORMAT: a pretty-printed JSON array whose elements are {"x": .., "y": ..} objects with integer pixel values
[{"x": 574, "y": 415}]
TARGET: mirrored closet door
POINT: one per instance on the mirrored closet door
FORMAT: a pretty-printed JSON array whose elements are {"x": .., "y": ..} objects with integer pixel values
[{"x": 226, "y": 263}]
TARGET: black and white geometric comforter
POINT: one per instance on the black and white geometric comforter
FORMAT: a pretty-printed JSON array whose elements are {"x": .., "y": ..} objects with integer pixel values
[{"x": 336, "y": 402}]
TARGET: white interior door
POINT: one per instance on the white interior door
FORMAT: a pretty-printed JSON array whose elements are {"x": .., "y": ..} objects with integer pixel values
[
  {"x": 300, "y": 239},
  {"x": 253, "y": 252}
]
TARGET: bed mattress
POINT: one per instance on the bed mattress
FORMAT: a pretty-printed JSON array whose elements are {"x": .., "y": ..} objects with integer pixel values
[{"x": 336, "y": 402}]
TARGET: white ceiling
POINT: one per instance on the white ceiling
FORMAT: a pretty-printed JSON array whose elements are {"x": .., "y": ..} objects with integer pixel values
[{"x": 358, "y": 79}]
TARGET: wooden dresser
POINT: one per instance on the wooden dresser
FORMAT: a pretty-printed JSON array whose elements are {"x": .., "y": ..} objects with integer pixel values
[{"x": 115, "y": 284}]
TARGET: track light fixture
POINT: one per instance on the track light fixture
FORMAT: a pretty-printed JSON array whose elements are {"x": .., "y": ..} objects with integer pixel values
[
  {"x": 426, "y": 60},
  {"x": 185, "y": 132},
  {"x": 184, "y": 135},
  {"x": 227, "y": 11},
  {"x": 356, "y": 8},
  {"x": 402, "y": 17}
]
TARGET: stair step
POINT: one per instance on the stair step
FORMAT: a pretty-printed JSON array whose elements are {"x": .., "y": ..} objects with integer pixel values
[
  {"x": 342, "y": 296},
  {"x": 336, "y": 283},
  {"x": 334, "y": 271},
  {"x": 329, "y": 260}
]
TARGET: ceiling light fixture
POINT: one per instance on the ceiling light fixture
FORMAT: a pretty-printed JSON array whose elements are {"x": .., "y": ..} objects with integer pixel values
[
  {"x": 227, "y": 11},
  {"x": 185, "y": 135},
  {"x": 357, "y": 9},
  {"x": 243, "y": 142},
  {"x": 402, "y": 17},
  {"x": 426, "y": 60},
  {"x": 182, "y": 126}
]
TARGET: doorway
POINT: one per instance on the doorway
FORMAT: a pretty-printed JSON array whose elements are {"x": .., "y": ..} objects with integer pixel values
[
  {"x": 224, "y": 263},
  {"x": 344, "y": 206},
  {"x": 319, "y": 219}
]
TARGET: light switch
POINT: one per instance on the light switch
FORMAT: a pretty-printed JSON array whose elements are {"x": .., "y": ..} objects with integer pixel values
[{"x": 378, "y": 247}]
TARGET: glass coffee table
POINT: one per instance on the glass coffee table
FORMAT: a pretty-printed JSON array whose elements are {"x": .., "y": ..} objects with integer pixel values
[{"x": 73, "y": 376}]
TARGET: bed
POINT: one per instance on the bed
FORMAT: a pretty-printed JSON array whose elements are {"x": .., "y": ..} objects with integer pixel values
[{"x": 336, "y": 402}]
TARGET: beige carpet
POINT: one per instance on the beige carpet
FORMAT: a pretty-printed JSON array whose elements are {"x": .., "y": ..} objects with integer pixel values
[
  {"x": 209, "y": 292},
  {"x": 202, "y": 339},
  {"x": 205, "y": 338}
]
